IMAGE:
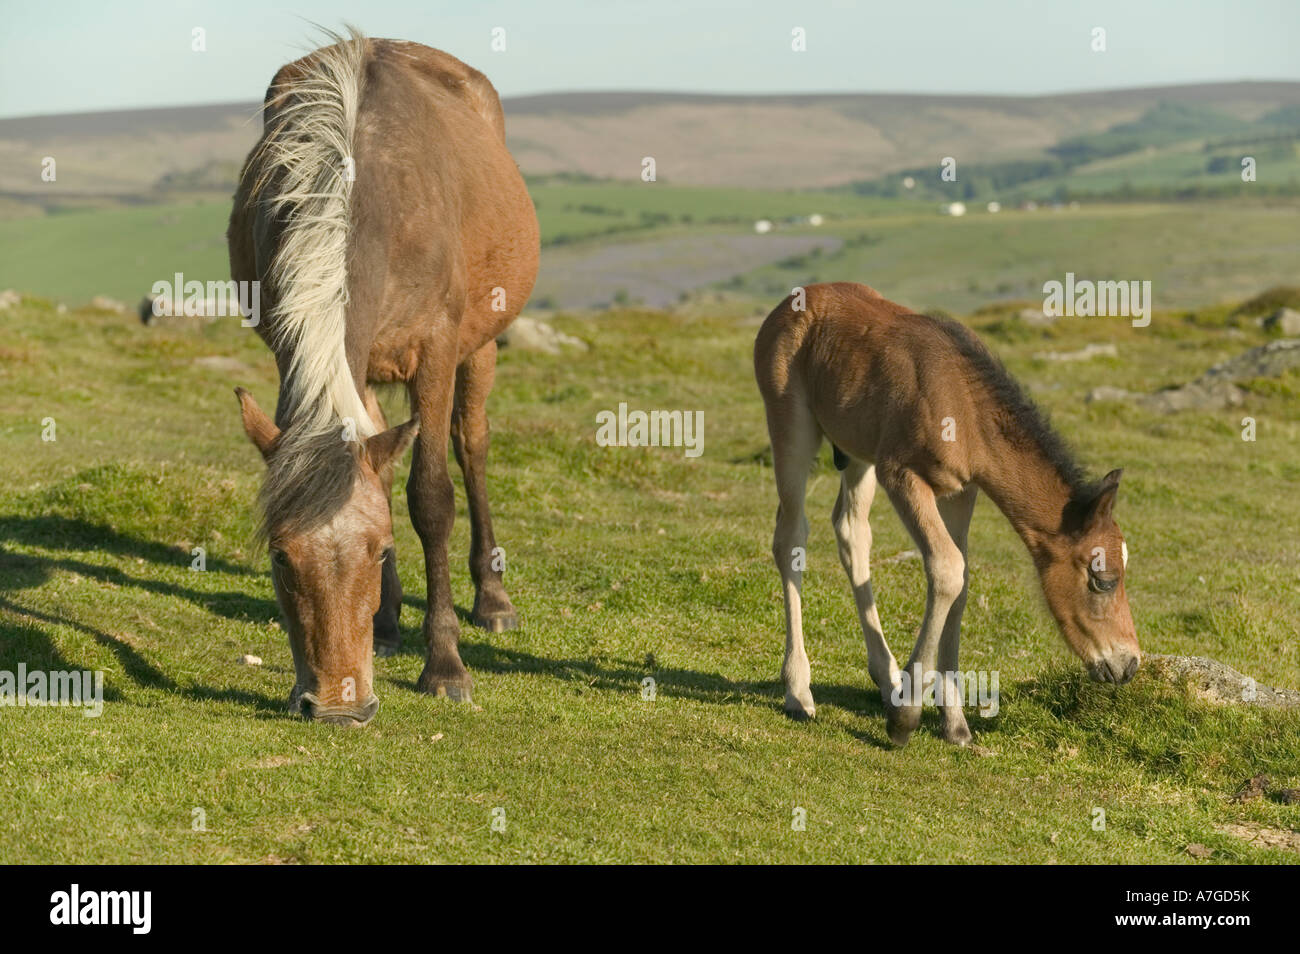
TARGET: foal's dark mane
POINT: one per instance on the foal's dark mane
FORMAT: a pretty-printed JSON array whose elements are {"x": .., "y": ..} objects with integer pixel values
[{"x": 1022, "y": 421}]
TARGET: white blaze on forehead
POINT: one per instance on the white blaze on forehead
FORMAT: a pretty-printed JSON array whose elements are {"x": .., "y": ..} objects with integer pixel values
[{"x": 1123, "y": 552}]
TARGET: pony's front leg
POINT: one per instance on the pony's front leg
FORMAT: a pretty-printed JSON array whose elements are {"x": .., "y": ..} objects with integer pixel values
[
  {"x": 387, "y": 635},
  {"x": 432, "y": 502}
]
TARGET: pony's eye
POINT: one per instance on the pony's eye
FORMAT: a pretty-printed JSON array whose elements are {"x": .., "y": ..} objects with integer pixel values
[
  {"x": 280, "y": 559},
  {"x": 1101, "y": 584},
  {"x": 388, "y": 551}
]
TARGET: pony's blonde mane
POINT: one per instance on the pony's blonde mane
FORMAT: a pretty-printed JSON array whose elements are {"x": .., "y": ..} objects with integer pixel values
[{"x": 302, "y": 179}]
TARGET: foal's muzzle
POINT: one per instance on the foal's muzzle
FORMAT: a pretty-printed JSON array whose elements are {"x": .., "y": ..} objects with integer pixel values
[
  {"x": 1118, "y": 668},
  {"x": 348, "y": 715}
]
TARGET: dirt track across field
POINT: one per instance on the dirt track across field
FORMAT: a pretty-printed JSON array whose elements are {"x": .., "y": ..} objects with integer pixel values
[{"x": 657, "y": 272}]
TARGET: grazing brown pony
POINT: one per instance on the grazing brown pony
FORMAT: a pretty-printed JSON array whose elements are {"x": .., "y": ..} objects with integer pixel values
[
  {"x": 919, "y": 406},
  {"x": 394, "y": 240}
]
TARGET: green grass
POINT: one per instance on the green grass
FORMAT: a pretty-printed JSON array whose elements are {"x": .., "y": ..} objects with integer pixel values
[
  {"x": 1193, "y": 253},
  {"x": 624, "y": 564},
  {"x": 121, "y": 252}
]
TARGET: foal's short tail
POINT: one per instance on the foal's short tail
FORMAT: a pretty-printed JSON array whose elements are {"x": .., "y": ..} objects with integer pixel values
[{"x": 301, "y": 175}]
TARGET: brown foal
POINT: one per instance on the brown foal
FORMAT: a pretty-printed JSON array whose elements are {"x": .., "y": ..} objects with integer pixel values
[
  {"x": 919, "y": 406},
  {"x": 394, "y": 240}
]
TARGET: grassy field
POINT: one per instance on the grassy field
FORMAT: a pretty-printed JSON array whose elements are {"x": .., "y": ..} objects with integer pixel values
[{"x": 625, "y": 564}]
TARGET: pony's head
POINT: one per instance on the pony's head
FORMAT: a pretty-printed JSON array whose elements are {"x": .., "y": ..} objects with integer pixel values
[
  {"x": 327, "y": 524},
  {"x": 1082, "y": 572}
]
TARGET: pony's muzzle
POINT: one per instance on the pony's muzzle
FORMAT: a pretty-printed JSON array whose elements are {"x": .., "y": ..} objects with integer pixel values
[
  {"x": 1117, "y": 668},
  {"x": 350, "y": 716}
]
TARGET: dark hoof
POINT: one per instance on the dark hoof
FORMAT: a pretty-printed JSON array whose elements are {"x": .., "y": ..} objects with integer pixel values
[
  {"x": 457, "y": 688},
  {"x": 901, "y": 722},
  {"x": 388, "y": 638},
  {"x": 496, "y": 622}
]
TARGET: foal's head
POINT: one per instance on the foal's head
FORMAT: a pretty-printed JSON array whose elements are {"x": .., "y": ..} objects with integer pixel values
[
  {"x": 327, "y": 521},
  {"x": 1083, "y": 579}
]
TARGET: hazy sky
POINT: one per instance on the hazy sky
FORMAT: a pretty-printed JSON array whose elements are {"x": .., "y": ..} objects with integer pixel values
[{"x": 75, "y": 55}]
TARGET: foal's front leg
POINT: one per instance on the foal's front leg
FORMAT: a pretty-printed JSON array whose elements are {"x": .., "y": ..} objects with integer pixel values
[
  {"x": 945, "y": 569},
  {"x": 956, "y": 512},
  {"x": 432, "y": 502}
]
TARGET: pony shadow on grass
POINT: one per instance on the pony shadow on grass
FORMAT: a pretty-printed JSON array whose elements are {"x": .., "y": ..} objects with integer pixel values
[
  {"x": 28, "y": 640},
  {"x": 626, "y": 675}
]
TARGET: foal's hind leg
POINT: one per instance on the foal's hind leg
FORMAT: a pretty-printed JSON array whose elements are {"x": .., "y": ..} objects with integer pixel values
[
  {"x": 388, "y": 638},
  {"x": 853, "y": 532},
  {"x": 795, "y": 440},
  {"x": 945, "y": 571},
  {"x": 469, "y": 434},
  {"x": 956, "y": 512}
]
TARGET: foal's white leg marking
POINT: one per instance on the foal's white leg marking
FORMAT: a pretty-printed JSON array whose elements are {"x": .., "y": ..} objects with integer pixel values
[
  {"x": 956, "y": 512},
  {"x": 945, "y": 571},
  {"x": 853, "y": 532},
  {"x": 793, "y": 449}
]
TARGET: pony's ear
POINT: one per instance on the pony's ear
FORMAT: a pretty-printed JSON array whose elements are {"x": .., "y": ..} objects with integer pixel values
[
  {"x": 261, "y": 430},
  {"x": 383, "y": 451},
  {"x": 1103, "y": 505}
]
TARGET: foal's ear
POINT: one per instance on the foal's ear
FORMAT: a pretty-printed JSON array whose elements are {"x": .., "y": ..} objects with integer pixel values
[
  {"x": 261, "y": 430},
  {"x": 1104, "y": 503},
  {"x": 383, "y": 451}
]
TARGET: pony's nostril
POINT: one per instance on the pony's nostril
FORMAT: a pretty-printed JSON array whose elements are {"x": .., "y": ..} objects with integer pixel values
[{"x": 1131, "y": 668}]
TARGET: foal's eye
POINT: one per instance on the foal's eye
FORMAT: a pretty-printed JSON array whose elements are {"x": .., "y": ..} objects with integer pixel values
[{"x": 1102, "y": 584}]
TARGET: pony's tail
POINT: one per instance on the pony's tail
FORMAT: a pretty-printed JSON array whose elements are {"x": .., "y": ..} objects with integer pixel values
[{"x": 303, "y": 171}]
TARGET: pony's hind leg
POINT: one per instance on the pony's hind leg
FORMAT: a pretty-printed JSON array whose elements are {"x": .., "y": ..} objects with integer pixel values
[
  {"x": 956, "y": 512},
  {"x": 795, "y": 440},
  {"x": 853, "y": 533},
  {"x": 388, "y": 637},
  {"x": 945, "y": 570},
  {"x": 469, "y": 435}
]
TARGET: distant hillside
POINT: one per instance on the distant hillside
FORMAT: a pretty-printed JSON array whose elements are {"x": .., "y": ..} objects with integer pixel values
[{"x": 805, "y": 141}]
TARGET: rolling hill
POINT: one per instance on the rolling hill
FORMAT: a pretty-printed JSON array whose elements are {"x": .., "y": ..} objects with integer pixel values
[{"x": 805, "y": 141}]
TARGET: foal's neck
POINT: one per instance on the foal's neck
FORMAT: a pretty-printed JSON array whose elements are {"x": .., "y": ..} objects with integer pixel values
[{"x": 1030, "y": 492}]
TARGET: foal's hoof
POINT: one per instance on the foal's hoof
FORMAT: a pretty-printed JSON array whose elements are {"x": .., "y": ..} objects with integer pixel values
[
  {"x": 496, "y": 622},
  {"x": 957, "y": 734},
  {"x": 800, "y": 711},
  {"x": 457, "y": 688},
  {"x": 387, "y": 649},
  {"x": 901, "y": 722}
]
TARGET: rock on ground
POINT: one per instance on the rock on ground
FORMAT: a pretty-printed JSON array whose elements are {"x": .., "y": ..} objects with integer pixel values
[
  {"x": 1285, "y": 320},
  {"x": 1217, "y": 683},
  {"x": 9, "y": 298},
  {"x": 1035, "y": 317},
  {"x": 1083, "y": 354},
  {"x": 529, "y": 334},
  {"x": 104, "y": 303},
  {"x": 1216, "y": 389}
]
